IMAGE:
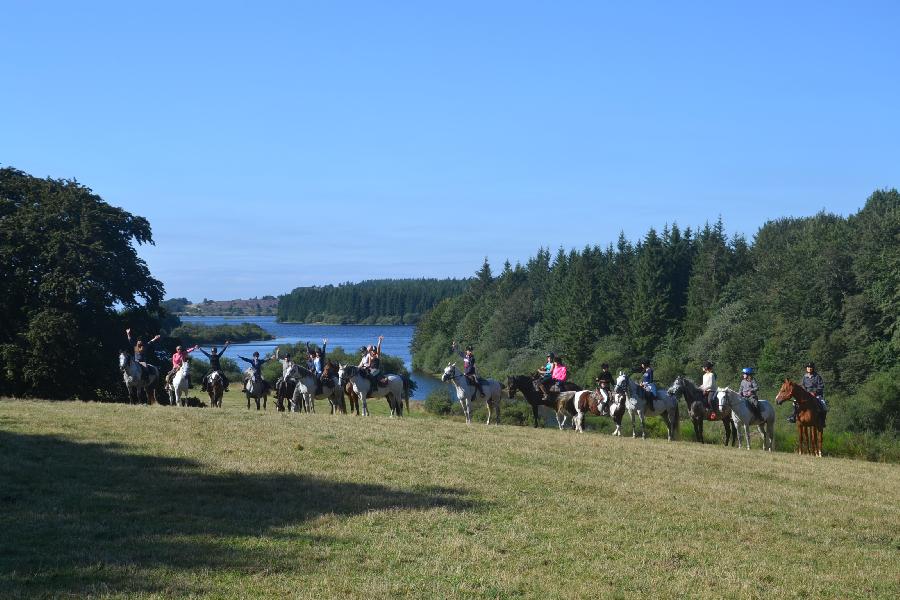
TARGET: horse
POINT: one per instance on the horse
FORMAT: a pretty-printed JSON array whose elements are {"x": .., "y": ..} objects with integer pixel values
[
  {"x": 215, "y": 387},
  {"x": 527, "y": 384},
  {"x": 810, "y": 417},
  {"x": 590, "y": 401},
  {"x": 693, "y": 397},
  {"x": 179, "y": 385},
  {"x": 744, "y": 417},
  {"x": 305, "y": 392},
  {"x": 664, "y": 405},
  {"x": 284, "y": 390},
  {"x": 349, "y": 392},
  {"x": 465, "y": 393},
  {"x": 256, "y": 388},
  {"x": 134, "y": 383},
  {"x": 395, "y": 391}
]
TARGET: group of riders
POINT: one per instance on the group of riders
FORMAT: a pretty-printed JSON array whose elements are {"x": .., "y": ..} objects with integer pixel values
[
  {"x": 316, "y": 363},
  {"x": 552, "y": 378}
]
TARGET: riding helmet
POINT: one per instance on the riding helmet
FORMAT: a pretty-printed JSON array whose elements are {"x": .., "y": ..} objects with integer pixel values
[
  {"x": 747, "y": 370},
  {"x": 811, "y": 365},
  {"x": 708, "y": 365}
]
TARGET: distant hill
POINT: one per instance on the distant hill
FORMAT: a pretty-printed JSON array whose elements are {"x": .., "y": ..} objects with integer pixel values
[
  {"x": 265, "y": 306},
  {"x": 375, "y": 301}
]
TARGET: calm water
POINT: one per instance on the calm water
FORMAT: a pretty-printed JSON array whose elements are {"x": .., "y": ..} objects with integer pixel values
[{"x": 397, "y": 339}]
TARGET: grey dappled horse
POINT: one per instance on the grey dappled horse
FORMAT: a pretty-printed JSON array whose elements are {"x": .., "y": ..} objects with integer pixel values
[
  {"x": 744, "y": 417},
  {"x": 664, "y": 405},
  {"x": 256, "y": 388},
  {"x": 131, "y": 375},
  {"x": 395, "y": 391},
  {"x": 693, "y": 397},
  {"x": 465, "y": 393},
  {"x": 305, "y": 392}
]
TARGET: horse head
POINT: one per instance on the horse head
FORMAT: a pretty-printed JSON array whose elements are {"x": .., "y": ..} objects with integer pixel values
[
  {"x": 786, "y": 392},
  {"x": 677, "y": 386},
  {"x": 124, "y": 361},
  {"x": 449, "y": 372},
  {"x": 722, "y": 397},
  {"x": 511, "y": 386},
  {"x": 622, "y": 382}
]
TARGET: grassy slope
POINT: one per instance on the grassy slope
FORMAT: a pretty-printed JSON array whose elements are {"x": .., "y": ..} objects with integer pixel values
[{"x": 114, "y": 500}]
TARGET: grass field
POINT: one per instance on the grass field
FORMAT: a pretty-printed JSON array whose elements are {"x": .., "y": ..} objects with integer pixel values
[{"x": 134, "y": 501}]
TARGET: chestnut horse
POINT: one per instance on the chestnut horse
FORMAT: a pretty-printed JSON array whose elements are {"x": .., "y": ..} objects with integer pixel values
[{"x": 810, "y": 417}]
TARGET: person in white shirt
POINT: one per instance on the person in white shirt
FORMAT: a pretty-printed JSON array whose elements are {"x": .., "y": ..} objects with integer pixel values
[{"x": 709, "y": 387}]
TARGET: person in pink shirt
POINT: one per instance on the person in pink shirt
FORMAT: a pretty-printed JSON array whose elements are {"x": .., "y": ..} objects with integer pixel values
[
  {"x": 560, "y": 373},
  {"x": 178, "y": 358}
]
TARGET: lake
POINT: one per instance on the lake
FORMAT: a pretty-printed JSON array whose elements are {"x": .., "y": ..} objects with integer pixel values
[{"x": 397, "y": 339}]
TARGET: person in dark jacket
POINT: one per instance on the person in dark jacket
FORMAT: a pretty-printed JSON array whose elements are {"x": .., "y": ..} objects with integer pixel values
[
  {"x": 255, "y": 366},
  {"x": 604, "y": 383},
  {"x": 815, "y": 385},
  {"x": 468, "y": 358},
  {"x": 140, "y": 349},
  {"x": 214, "y": 356}
]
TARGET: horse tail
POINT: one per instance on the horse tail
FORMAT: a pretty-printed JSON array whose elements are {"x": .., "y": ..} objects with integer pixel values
[
  {"x": 405, "y": 395},
  {"x": 676, "y": 423}
]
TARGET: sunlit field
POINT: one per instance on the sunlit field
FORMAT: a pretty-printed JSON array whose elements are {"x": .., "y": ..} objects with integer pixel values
[{"x": 110, "y": 500}]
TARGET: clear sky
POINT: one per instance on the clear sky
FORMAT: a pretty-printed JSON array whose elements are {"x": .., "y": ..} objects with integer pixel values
[{"x": 273, "y": 145}]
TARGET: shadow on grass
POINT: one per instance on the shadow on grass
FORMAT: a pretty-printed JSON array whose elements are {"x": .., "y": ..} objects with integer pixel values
[{"x": 82, "y": 517}]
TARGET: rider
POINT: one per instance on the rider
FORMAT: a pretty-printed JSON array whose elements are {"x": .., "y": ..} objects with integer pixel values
[
  {"x": 546, "y": 379},
  {"x": 255, "y": 369},
  {"x": 469, "y": 367},
  {"x": 178, "y": 359},
  {"x": 815, "y": 385},
  {"x": 708, "y": 387},
  {"x": 604, "y": 385},
  {"x": 370, "y": 365},
  {"x": 214, "y": 355},
  {"x": 750, "y": 389},
  {"x": 319, "y": 365},
  {"x": 139, "y": 348},
  {"x": 647, "y": 382},
  {"x": 560, "y": 373}
]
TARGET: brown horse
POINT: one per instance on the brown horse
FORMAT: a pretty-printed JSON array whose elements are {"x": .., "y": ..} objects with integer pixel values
[
  {"x": 810, "y": 417},
  {"x": 349, "y": 392},
  {"x": 527, "y": 384},
  {"x": 215, "y": 388}
]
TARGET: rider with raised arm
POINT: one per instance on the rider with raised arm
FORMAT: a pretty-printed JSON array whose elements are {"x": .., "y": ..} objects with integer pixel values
[
  {"x": 178, "y": 359},
  {"x": 708, "y": 387},
  {"x": 604, "y": 383},
  {"x": 815, "y": 385},
  {"x": 214, "y": 355},
  {"x": 749, "y": 390},
  {"x": 255, "y": 369},
  {"x": 139, "y": 348},
  {"x": 319, "y": 365},
  {"x": 468, "y": 358}
]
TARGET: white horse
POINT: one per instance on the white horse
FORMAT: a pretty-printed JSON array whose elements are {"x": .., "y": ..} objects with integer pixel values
[
  {"x": 465, "y": 393},
  {"x": 305, "y": 392},
  {"x": 395, "y": 391},
  {"x": 131, "y": 374},
  {"x": 743, "y": 417},
  {"x": 179, "y": 385},
  {"x": 256, "y": 388},
  {"x": 664, "y": 405}
]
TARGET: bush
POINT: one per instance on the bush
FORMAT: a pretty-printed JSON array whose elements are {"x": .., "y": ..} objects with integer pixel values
[{"x": 438, "y": 402}]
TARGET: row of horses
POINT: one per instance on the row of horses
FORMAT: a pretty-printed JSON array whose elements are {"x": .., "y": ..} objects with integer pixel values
[
  {"x": 629, "y": 396},
  {"x": 299, "y": 391}
]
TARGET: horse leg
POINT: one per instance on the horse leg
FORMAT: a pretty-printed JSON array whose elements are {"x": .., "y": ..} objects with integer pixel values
[
  {"x": 643, "y": 431},
  {"x": 534, "y": 411}
]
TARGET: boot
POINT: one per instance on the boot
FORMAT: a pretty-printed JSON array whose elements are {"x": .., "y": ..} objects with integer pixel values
[
  {"x": 793, "y": 417},
  {"x": 545, "y": 391}
]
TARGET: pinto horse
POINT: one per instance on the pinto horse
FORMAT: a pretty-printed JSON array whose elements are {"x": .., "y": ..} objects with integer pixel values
[
  {"x": 587, "y": 401},
  {"x": 810, "y": 417},
  {"x": 697, "y": 409},
  {"x": 215, "y": 387}
]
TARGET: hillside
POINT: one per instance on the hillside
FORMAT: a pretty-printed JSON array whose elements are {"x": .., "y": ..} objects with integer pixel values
[
  {"x": 265, "y": 306},
  {"x": 115, "y": 500}
]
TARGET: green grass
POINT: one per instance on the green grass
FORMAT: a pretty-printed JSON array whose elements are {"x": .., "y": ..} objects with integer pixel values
[{"x": 134, "y": 501}]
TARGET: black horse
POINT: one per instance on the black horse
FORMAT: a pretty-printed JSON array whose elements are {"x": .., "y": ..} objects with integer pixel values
[{"x": 528, "y": 385}]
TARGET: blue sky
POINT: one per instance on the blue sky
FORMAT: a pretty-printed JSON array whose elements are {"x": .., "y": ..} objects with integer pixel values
[{"x": 273, "y": 145}]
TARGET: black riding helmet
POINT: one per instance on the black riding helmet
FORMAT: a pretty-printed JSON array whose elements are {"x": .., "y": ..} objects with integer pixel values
[{"x": 708, "y": 365}]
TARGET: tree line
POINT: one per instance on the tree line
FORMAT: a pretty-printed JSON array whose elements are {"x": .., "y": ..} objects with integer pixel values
[
  {"x": 370, "y": 302},
  {"x": 823, "y": 288}
]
